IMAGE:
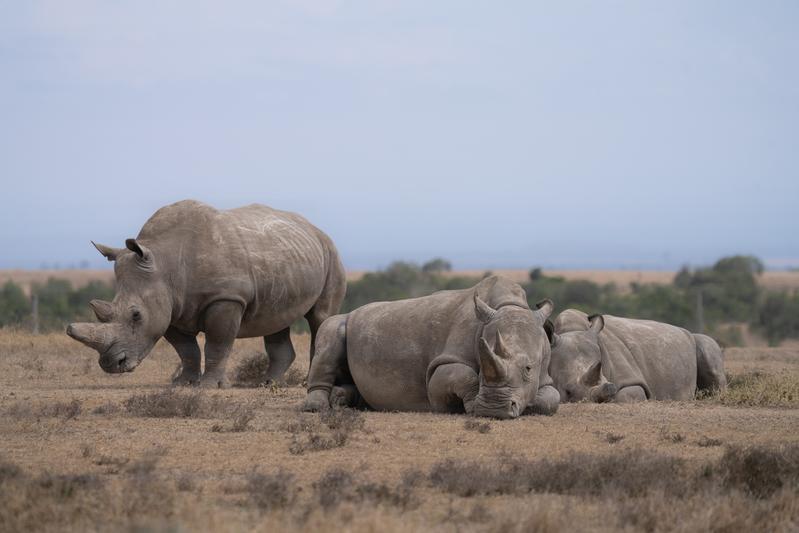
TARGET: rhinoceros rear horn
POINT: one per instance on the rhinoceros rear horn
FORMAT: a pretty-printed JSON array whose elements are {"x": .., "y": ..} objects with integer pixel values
[
  {"x": 103, "y": 310},
  {"x": 491, "y": 366},
  {"x": 109, "y": 253},
  {"x": 483, "y": 311}
]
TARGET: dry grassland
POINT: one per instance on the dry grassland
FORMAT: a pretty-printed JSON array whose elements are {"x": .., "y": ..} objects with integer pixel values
[
  {"x": 83, "y": 450},
  {"x": 621, "y": 278}
]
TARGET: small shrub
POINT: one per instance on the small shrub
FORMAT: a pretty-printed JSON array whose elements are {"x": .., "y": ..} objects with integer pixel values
[
  {"x": 472, "y": 424},
  {"x": 758, "y": 389},
  {"x": 667, "y": 436},
  {"x": 330, "y": 429},
  {"x": 107, "y": 408},
  {"x": 242, "y": 419},
  {"x": 169, "y": 403},
  {"x": 337, "y": 486},
  {"x": 66, "y": 410},
  {"x": 9, "y": 471},
  {"x": 635, "y": 473},
  {"x": 185, "y": 483},
  {"x": 272, "y": 491},
  {"x": 613, "y": 438},
  {"x": 760, "y": 470},
  {"x": 251, "y": 371},
  {"x": 708, "y": 442},
  {"x": 66, "y": 485}
]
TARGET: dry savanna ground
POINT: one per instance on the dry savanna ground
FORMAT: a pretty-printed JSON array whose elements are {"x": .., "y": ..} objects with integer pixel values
[
  {"x": 771, "y": 280},
  {"x": 83, "y": 450}
]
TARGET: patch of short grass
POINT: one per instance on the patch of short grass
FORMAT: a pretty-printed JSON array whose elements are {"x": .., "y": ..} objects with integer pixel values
[
  {"x": 178, "y": 403},
  {"x": 760, "y": 389},
  {"x": 329, "y": 429},
  {"x": 472, "y": 424}
]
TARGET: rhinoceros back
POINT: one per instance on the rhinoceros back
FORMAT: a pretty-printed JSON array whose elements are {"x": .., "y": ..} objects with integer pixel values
[
  {"x": 659, "y": 357},
  {"x": 274, "y": 263}
]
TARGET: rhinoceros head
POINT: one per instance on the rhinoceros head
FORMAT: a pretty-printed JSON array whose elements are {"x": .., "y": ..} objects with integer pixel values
[
  {"x": 576, "y": 365},
  {"x": 139, "y": 315},
  {"x": 512, "y": 349}
]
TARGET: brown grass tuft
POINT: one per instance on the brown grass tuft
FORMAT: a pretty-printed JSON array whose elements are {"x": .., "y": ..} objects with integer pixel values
[
  {"x": 758, "y": 389},
  {"x": 272, "y": 491},
  {"x": 330, "y": 429}
]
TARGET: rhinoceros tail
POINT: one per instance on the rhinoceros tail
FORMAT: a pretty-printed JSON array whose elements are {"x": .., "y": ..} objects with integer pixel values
[{"x": 710, "y": 374}]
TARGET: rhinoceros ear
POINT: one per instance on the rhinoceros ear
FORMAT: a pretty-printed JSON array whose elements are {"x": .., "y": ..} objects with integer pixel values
[
  {"x": 490, "y": 365},
  {"x": 483, "y": 311},
  {"x": 145, "y": 256},
  {"x": 109, "y": 253},
  {"x": 544, "y": 308},
  {"x": 596, "y": 323},
  {"x": 102, "y": 310},
  {"x": 593, "y": 375}
]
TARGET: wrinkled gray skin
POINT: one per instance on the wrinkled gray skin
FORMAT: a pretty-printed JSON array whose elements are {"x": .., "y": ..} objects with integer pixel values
[
  {"x": 482, "y": 351},
  {"x": 246, "y": 272},
  {"x": 606, "y": 358}
]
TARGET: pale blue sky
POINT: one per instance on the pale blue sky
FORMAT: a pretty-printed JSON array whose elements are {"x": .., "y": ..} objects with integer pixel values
[{"x": 577, "y": 134}]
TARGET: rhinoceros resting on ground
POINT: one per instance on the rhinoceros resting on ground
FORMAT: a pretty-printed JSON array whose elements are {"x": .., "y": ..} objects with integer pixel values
[
  {"x": 479, "y": 350},
  {"x": 245, "y": 272},
  {"x": 605, "y": 358}
]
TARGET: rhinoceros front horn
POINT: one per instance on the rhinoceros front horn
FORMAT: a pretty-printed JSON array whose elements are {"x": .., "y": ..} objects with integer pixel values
[
  {"x": 491, "y": 366},
  {"x": 92, "y": 335}
]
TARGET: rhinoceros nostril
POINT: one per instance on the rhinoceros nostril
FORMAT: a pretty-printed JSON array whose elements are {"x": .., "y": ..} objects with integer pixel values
[{"x": 121, "y": 361}]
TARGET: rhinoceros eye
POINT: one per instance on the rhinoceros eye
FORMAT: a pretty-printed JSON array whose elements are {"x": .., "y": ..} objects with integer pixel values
[{"x": 136, "y": 315}]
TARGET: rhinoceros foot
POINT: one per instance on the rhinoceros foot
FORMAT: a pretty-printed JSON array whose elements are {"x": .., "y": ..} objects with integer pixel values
[
  {"x": 214, "y": 381},
  {"x": 186, "y": 378},
  {"x": 317, "y": 400}
]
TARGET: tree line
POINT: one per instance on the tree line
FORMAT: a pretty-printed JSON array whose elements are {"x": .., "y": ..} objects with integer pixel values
[{"x": 713, "y": 299}]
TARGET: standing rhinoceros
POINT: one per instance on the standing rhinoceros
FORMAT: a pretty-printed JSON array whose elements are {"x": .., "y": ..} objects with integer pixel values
[
  {"x": 245, "y": 272},
  {"x": 480, "y": 350},
  {"x": 604, "y": 358}
]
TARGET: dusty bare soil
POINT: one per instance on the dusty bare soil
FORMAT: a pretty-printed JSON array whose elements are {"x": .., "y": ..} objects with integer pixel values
[{"x": 80, "y": 450}]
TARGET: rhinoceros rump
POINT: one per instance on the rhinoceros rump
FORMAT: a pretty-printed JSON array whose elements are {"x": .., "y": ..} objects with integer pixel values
[
  {"x": 479, "y": 350},
  {"x": 604, "y": 358},
  {"x": 245, "y": 272}
]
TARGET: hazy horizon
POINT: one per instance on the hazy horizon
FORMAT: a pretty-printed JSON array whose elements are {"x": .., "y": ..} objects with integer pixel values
[{"x": 584, "y": 135}]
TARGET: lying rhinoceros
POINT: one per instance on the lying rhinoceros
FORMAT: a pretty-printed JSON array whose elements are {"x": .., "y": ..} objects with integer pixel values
[
  {"x": 480, "y": 350},
  {"x": 246, "y": 272},
  {"x": 604, "y": 358}
]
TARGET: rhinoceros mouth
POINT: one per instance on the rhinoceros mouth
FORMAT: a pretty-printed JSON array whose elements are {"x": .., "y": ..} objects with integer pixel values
[{"x": 116, "y": 362}]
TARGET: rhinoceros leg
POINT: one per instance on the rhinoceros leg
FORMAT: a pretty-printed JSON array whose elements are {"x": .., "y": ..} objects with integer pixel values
[
  {"x": 221, "y": 321},
  {"x": 329, "y": 302},
  {"x": 281, "y": 354},
  {"x": 546, "y": 401},
  {"x": 329, "y": 365},
  {"x": 630, "y": 394},
  {"x": 452, "y": 388},
  {"x": 190, "y": 356}
]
